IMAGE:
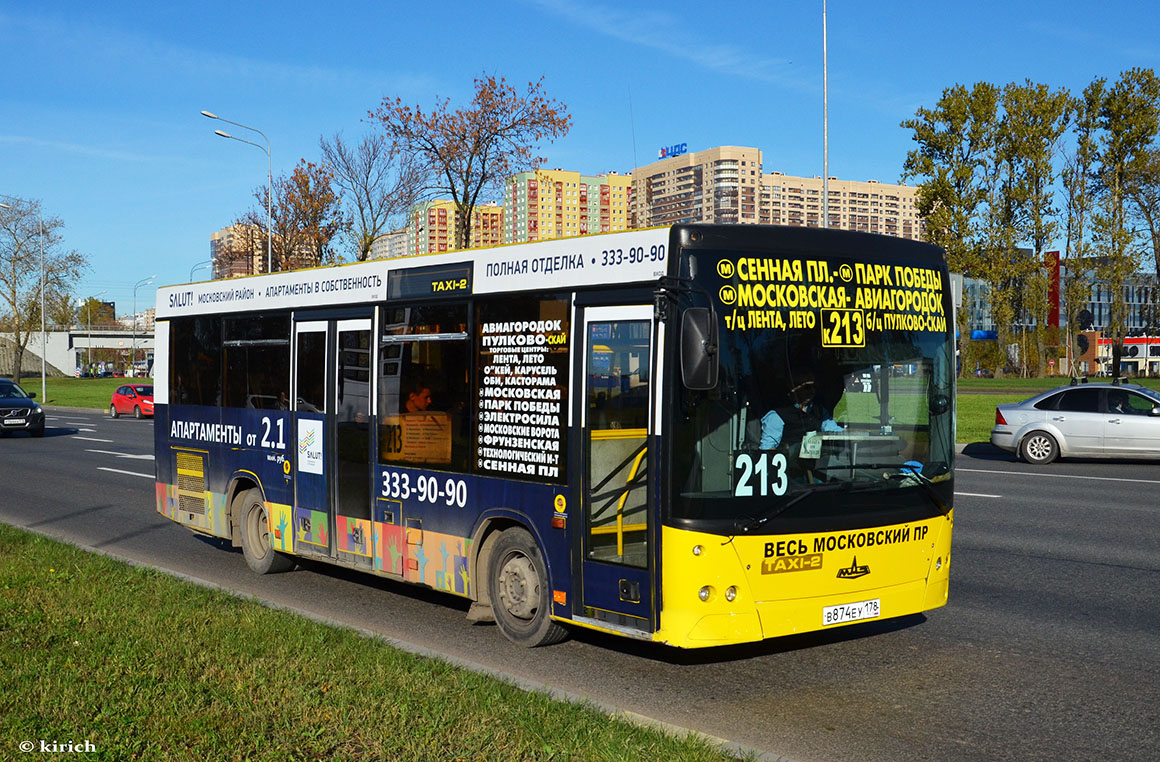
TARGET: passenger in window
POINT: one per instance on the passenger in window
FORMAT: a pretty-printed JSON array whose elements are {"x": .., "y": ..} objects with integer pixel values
[
  {"x": 418, "y": 398},
  {"x": 1118, "y": 402}
]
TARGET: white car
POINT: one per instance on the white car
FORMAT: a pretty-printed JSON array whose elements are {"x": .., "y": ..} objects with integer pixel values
[{"x": 1083, "y": 421}]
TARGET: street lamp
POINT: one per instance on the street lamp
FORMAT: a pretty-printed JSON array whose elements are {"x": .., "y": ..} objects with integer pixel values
[
  {"x": 269, "y": 178},
  {"x": 139, "y": 284},
  {"x": 207, "y": 264},
  {"x": 43, "y": 340}
]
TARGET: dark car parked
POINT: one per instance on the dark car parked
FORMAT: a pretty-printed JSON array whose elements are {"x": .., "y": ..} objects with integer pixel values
[{"x": 18, "y": 411}]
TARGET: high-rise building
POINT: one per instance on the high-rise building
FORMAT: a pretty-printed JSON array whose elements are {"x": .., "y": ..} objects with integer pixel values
[
  {"x": 728, "y": 184},
  {"x": 554, "y": 203},
  {"x": 390, "y": 245},
  {"x": 237, "y": 250},
  {"x": 433, "y": 226},
  {"x": 715, "y": 185},
  {"x": 869, "y": 206}
]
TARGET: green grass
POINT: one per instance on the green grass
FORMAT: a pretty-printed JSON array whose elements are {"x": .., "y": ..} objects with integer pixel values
[
  {"x": 151, "y": 668},
  {"x": 79, "y": 392}
]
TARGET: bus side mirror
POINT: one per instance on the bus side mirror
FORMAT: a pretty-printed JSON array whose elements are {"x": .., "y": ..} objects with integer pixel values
[{"x": 699, "y": 348}]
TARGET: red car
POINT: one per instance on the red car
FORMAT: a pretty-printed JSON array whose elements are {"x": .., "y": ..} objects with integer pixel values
[{"x": 134, "y": 398}]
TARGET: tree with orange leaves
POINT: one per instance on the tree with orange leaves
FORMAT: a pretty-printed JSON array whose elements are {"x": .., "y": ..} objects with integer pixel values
[
  {"x": 472, "y": 150},
  {"x": 305, "y": 214}
]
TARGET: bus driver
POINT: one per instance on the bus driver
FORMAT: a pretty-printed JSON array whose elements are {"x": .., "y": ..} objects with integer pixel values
[{"x": 790, "y": 423}]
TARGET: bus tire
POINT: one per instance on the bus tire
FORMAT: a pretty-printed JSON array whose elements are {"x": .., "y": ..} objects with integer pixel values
[
  {"x": 255, "y": 530},
  {"x": 517, "y": 583}
]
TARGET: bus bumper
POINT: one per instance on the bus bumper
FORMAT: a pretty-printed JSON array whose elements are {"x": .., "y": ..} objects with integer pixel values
[{"x": 720, "y": 592}]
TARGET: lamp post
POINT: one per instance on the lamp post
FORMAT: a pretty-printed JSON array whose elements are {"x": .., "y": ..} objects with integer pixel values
[
  {"x": 90, "y": 341},
  {"x": 825, "y": 126},
  {"x": 207, "y": 264},
  {"x": 139, "y": 284},
  {"x": 269, "y": 178},
  {"x": 43, "y": 340}
]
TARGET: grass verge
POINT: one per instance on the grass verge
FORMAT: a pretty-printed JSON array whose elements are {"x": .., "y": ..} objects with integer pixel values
[
  {"x": 147, "y": 667},
  {"x": 79, "y": 392}
]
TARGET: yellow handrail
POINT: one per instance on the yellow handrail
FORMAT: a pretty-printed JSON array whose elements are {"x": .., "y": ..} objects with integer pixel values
[{"x": 623, "y": 500}]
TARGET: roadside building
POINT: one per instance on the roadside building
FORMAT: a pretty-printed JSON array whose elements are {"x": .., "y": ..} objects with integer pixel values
[{"x": 554, "y": 203}]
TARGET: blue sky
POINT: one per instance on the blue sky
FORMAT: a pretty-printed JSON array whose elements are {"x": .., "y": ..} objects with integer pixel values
[{"x": 99, "y": 108}]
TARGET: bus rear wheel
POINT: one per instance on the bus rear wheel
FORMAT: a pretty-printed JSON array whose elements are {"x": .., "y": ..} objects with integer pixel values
[
  {"x": 255, "y": 529},
  {"x": 518, "y": 586}
]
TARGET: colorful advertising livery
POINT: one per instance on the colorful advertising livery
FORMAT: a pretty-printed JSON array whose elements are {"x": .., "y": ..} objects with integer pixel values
[{"x": 697, "y": 435}]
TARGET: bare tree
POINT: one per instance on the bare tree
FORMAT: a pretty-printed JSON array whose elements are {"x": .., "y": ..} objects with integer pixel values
[
  {"x": 28, "y": 240},
  {"x": 378, "y": 182}
]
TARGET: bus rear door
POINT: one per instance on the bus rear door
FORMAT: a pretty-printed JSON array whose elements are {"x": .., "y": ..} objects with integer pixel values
[{"x": 332, "y": 388}]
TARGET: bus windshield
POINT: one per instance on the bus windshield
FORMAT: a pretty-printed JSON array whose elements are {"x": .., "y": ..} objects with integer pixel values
[{"x": 834, "y": 396}]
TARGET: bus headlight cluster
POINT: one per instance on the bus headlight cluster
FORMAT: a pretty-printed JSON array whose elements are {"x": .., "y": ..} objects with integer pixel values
[{"x": 707, "y": 592}]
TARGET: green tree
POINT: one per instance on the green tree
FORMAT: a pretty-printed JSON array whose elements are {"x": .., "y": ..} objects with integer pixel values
[
  {"x": 1078, "y": 179},
  {"x": 1129, "y": 119},
  {"x": 953, "y": 138},
  {"x": 1034, "y": 120}
]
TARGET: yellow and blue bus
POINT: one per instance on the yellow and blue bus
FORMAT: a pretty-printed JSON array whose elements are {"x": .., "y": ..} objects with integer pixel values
[{"x": 698, "y": 435}]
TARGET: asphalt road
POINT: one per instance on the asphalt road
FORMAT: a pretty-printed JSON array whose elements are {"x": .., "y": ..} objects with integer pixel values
[{"x": 1048, "y": 650}]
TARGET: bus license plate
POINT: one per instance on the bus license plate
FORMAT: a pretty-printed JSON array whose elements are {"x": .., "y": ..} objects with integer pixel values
[{"x": 851, "y": 612}]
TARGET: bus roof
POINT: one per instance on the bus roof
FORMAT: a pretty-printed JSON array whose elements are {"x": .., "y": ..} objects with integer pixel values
[{"x": 636, "y": 256}]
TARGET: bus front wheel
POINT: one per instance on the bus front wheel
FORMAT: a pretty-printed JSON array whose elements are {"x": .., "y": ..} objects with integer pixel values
[
  {"x": 518, "y": 586},
  {"x": 255, "y": 528}
]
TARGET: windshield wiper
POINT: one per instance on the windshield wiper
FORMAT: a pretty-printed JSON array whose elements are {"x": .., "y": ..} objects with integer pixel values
[
  {"x": 755, "y": 522},
  {"x": 907, "y": 472}
]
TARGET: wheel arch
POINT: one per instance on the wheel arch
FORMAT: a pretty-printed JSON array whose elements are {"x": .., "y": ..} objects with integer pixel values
[
  {"x": 483, "y": 539},
  {"x": 240, "y": 482}
]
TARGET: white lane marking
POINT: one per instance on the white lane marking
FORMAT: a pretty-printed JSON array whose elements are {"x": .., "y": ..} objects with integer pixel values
[
  {"x": 91, "y": 431},
  {"x": 77, "y": 423},
  {"x": 93, "y": 439},
  {"x": 974, "y": 494},
  {"x": 119, "y": 471},
  {"x": 1060, "y": 476},
  {"x": 122, "y": 454}
]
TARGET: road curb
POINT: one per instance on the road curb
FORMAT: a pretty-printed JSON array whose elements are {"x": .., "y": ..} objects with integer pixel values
[{"x": 729, "y": 747}]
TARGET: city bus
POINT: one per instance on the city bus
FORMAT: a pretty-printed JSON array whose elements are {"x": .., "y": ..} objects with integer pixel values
[{"x": 698, "y": 435}]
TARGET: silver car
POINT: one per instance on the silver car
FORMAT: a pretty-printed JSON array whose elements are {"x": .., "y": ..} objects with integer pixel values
[{"x": 1082, "y": 421}]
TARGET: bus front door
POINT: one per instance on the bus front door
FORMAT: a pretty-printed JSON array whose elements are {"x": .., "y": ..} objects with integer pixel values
[
  {"x": 332, "y": 403},
  {"x": 617, "y": 425}
]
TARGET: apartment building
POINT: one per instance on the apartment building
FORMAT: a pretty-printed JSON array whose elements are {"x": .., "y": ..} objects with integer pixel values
[
  {"x": 867, "y": 206},
  {"x": 237, "y": 250},
  {"x": 728, "y": 184},
  {"x": 433, "y": 227},
  {"x": 390, "y": 245},
  {"x": 554, "y": 203},
  {"x": 715, "y": 185}
]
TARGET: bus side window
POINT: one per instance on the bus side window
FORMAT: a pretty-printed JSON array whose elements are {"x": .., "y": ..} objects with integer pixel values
[
  {"x": 423, "y": 393},
  {"x": 195, "y": 360}
]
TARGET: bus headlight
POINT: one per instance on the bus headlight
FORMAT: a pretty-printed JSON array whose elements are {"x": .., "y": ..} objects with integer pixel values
[
  {"x": 705, "y": 593},
  {"x": 731, "y": 593}
]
